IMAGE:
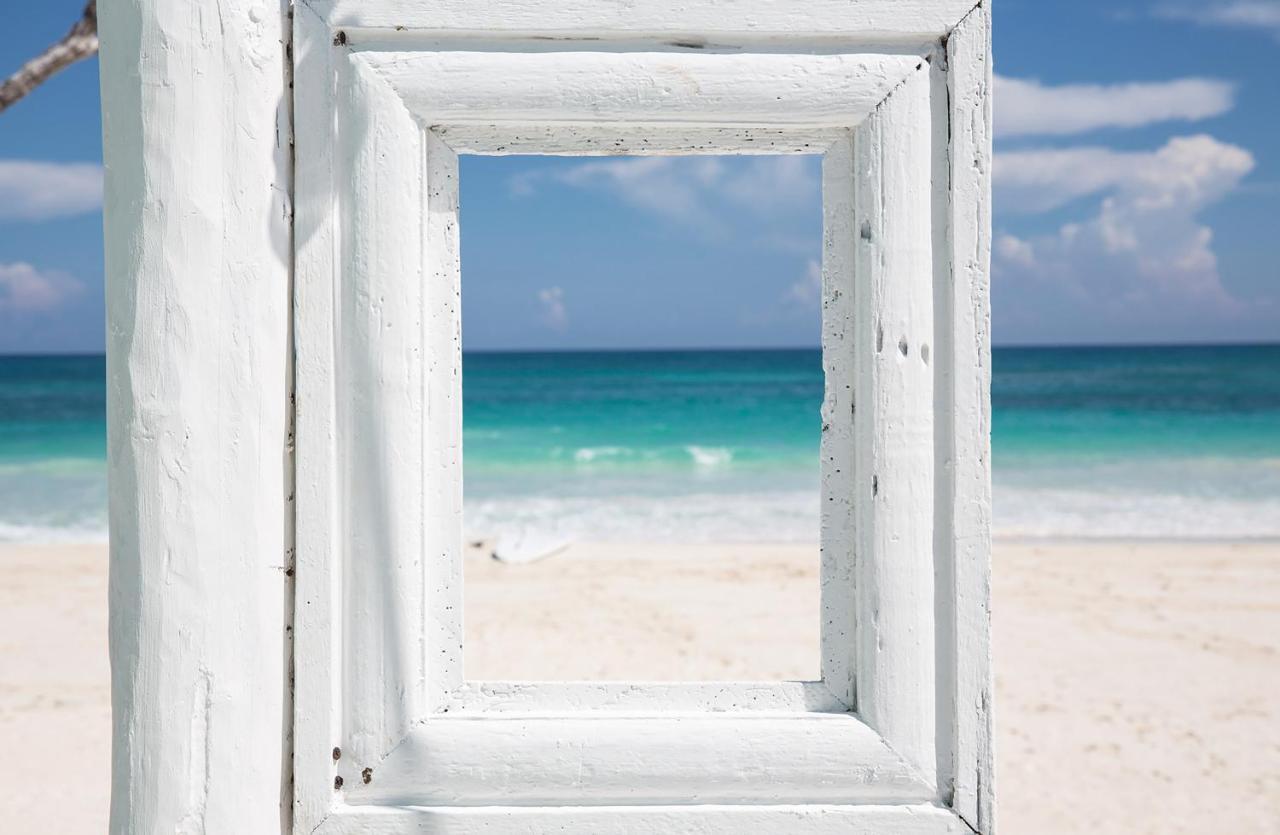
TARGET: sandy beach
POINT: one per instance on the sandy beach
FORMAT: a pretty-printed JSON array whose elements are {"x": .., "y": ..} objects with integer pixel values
[{"x": 1138, "y": 685}]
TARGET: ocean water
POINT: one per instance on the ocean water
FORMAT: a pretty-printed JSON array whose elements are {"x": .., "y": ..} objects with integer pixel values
[
  {"x": 53, "y": 443},
  {"x": 722, "y": 445}
]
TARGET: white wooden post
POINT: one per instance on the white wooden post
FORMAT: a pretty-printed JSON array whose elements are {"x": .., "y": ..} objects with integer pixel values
[
  {"x": 962, "y": 437},
  {"x": 197, "y": 231}
]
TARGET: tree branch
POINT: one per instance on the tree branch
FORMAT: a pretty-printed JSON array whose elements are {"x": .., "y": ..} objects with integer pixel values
[{"x": 80, "y": 42}]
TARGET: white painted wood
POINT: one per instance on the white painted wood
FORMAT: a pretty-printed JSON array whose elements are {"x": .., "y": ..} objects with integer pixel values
[
  {"x": 381, "y": 117},
  {"x": 197, "y": 149},
  {"x": 838, "y": 499},
  {"x": 318, "y": 611},
  {"x": 689, "y": 21},
  {"x": 380, "y": 410},
  {"x": 197, "y": 235},
  {"x": 583, "y": 760},
  {"x": 457, "y": 88},
  {"x": 708, "y": 819},
  {"x": 364, "y": 618},
  {"x": 429, "y": 40},
  {"x": 963, "y": 449},
  {"x": 893, "y": 421},
  {"x": 441, "y": 475},
  {"x": 494, "y": 697},
  {"x": 588, "y": 139}
]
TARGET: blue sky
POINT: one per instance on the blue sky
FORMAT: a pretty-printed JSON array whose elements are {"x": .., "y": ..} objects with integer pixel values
[{"x": 1137, "y": 200}]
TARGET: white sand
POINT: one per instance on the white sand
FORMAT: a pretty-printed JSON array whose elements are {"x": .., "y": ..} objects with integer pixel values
[
  {"x": 55, "y": 690},
  {"x": 1138, "y": 686}
]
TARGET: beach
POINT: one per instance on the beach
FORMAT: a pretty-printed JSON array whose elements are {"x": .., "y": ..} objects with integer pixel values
[
  {"x": 1136, "y": 572},
  {"x": 1137, "y": 683}
]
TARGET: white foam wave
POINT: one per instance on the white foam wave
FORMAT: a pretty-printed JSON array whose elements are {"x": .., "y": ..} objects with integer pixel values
[
  {"x": 1044, "y": 513},
  {"x": 699, "y": 517},
  {"x": 792, "y": 516},
  {"x": 53, "y": 535},
  {"x": 586, "y": 455},
  {"x": 709, "y": 456},
  {"x": 57, "y": 500}
]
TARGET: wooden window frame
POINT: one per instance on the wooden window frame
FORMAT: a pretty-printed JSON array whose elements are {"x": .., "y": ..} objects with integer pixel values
[{"x": 389, "y": 736}]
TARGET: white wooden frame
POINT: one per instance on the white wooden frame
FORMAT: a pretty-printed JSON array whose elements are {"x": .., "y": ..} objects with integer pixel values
[{"x": 388, "y": 734}]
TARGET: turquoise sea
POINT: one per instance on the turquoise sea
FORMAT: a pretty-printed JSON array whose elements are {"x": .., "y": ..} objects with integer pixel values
[{"x": 722, "y": 445}]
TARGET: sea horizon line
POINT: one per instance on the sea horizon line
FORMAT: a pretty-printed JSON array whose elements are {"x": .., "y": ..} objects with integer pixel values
[{"x": 1051, "y": 346}]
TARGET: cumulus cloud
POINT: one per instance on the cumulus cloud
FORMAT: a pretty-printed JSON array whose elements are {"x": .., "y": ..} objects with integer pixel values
[
  {"x": 554, "y": 314},
  {"x": 693, "y": 190},
  {"x": 32, "y": 190},
  {"x": 1143, "y": 250},
  {"x": 1025, "y": 107},
  {"x": 24, "y": 289},
  {"x": 1243, "y": 14},
  {"x": 1191, "y": 169}
]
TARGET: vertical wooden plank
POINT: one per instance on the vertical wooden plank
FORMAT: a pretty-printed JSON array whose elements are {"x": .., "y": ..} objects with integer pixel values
[
  {"x": 894, "y": 422},
  {"x": 318, "y": 607},
  {"x": 197, "y": 222},
  {"x": 366, "y": 470},
  {"x": 442, "y": 435},
  {"x": 839, "y": 485},
  {"x": 380, "y": 372},
  {"x": 963, "y": 539}
]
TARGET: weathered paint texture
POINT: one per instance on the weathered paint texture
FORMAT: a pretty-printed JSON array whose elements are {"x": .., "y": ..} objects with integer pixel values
[
  {"x": 587, "y": 761},
  {"x": 219, "y": 722},
  {"x": 892, "y": 277},
  {"x": 689, "y": 22},
  {"x": 963, "y": 441},
  {"x": 383, "y": 110},
  {"x": 197, "y": 233}
]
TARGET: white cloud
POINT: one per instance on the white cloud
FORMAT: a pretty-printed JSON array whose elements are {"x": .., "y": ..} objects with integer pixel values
[
  {"x": 771, "y": 184},
  {"x": 693, "y": 190},
  {"x": 1192, "y": 169},
  {"x": 32, "y": 190},
  {"x": 1244, "y": 14},
  {"x": 1025, "y": 107},
  {"x": 670, "y": 186},
  {"x": 554, "y": 314},
  {"x": 1143, "y": 252},
  {"x": 807, "y": 290},
  {"x": 24, "y": 289}
]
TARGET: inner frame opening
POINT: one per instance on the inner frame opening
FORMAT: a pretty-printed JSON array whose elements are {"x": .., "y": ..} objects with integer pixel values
[{"x": 642, "y": 383}]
